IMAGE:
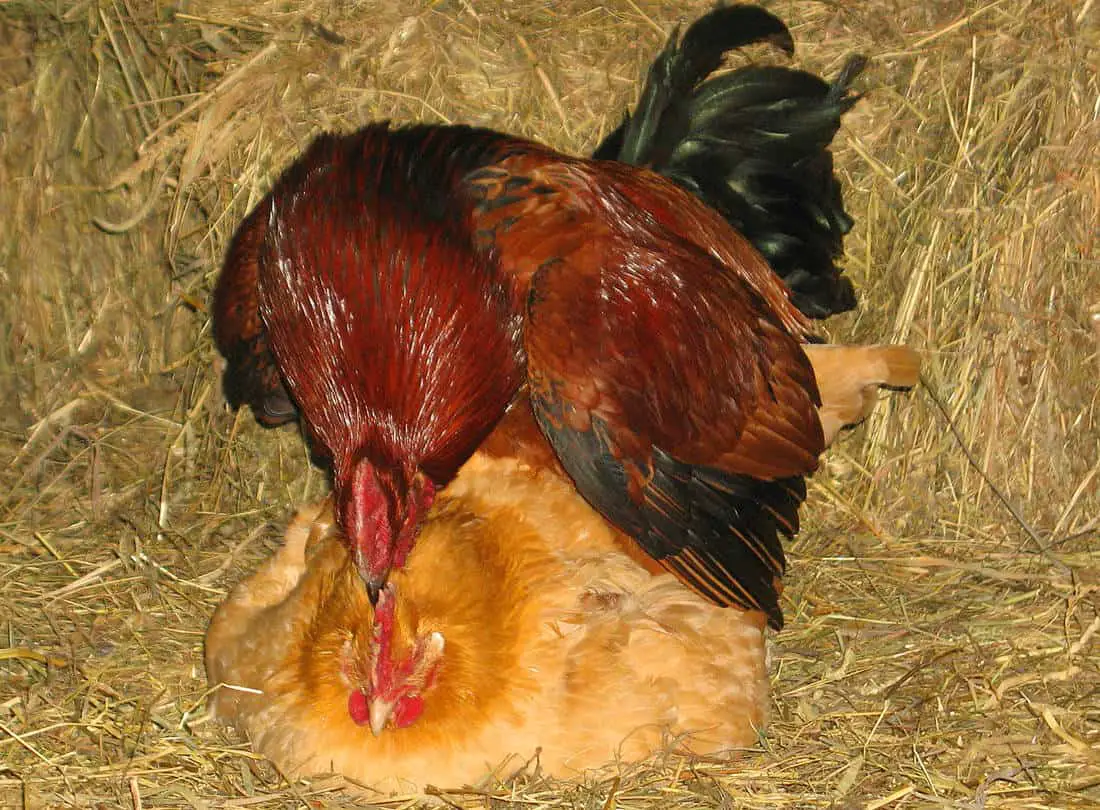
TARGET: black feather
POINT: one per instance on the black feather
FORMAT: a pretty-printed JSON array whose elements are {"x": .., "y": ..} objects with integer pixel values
[
  {"x": 252, "y": 378},
  {"x": 660, "y": 121},
  {"x": 758, "y": 152},
  {"x": 251, "y": 375},
  {"x": 754, "y": 145},
  {"x": 719, "y": 532}
]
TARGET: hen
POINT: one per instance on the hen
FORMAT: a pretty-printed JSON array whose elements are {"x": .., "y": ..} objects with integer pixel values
[
  {"x": 516, "y": 625},
  {"x": 397, "y": 288}
]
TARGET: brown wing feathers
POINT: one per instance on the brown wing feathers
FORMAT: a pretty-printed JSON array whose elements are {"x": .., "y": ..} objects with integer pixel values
[{"x": 671, "y": 389}]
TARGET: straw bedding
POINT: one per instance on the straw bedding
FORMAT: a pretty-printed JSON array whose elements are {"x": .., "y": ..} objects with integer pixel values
[{"x": 942, "y": 599}]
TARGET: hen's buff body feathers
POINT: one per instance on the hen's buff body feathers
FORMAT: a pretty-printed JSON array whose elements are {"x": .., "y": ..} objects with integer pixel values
[{"x": 555, "y": 639}]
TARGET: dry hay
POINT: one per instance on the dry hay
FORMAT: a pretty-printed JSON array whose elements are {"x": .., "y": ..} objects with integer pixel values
[{"x": 942, "y": 610}]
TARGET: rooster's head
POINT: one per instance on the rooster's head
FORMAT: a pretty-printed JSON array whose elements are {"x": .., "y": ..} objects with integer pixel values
[{"x": 380, "y": 507}]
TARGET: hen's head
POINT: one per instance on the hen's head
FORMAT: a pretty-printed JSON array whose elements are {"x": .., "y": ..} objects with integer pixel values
[
  {"x": 380, "y": 507},
  {"x": 390, "y": 678}
]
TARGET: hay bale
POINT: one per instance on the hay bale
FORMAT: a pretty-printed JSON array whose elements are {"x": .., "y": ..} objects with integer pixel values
[{"x": 942, "y": 598}]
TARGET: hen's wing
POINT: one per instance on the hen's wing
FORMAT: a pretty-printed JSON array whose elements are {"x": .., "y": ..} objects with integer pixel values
[
  {"x": 251, "y": 375},
  {"x": 663, "y": 366}
]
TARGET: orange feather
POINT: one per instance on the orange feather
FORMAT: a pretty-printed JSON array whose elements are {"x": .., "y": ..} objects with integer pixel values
[{"x": 554, "y": 640}]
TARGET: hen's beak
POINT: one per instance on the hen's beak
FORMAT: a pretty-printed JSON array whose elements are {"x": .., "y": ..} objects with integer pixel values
[{"x": 380, "y": 711}]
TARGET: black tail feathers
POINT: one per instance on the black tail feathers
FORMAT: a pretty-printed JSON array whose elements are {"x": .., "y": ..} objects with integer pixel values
[
  {"x": 753, "y": 144},
  {"x": 660, "y": 121}
]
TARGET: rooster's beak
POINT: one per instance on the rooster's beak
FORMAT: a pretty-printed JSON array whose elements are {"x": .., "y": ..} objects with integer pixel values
[
  {"x": 380, "y": 711},
  {"x": 374, "y": 588}
]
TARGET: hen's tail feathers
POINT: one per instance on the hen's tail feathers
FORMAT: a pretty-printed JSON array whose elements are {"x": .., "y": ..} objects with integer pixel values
[
  {"x": 754, "y": 145},
  {"x": 848, "y": 378}
]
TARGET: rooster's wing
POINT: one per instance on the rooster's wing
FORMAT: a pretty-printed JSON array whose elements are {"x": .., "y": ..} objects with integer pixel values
[{"x": 663, "y": 365}]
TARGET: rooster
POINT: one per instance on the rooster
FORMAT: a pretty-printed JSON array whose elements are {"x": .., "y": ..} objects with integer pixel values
[
  {"x": 397, "y": 288},
  {"x": 517, "y": 624}
]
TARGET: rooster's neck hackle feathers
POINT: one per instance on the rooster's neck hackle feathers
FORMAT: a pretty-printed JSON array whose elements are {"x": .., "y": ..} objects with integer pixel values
[{"x": 367, "y": 329}]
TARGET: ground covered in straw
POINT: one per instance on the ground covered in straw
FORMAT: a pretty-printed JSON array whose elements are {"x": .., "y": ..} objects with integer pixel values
[{"x": 942, "y": 600}]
